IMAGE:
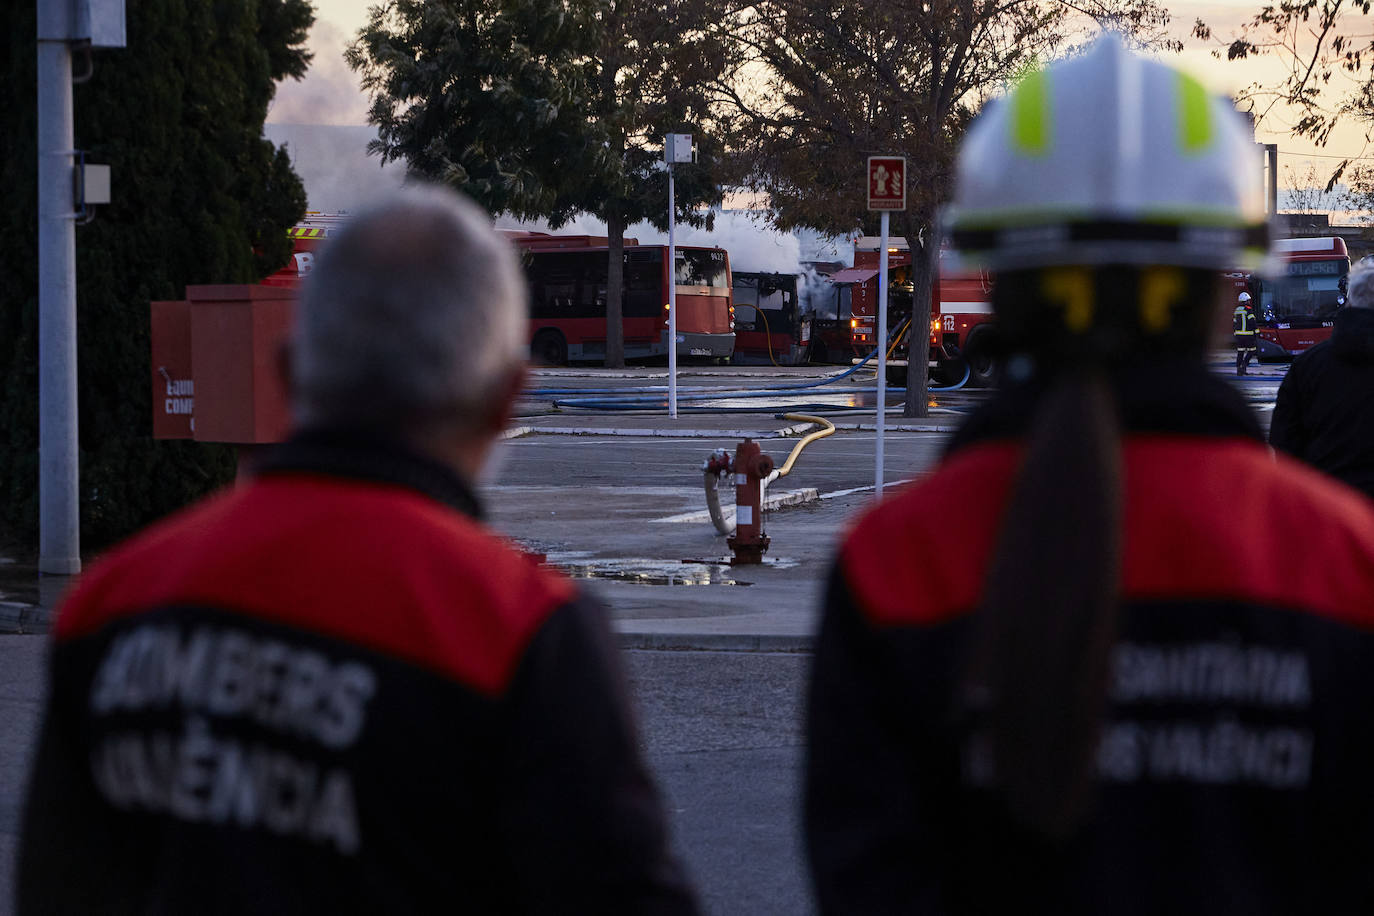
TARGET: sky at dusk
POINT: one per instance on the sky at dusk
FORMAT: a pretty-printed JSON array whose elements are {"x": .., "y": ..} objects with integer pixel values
[{"x": 329, "y": 95}]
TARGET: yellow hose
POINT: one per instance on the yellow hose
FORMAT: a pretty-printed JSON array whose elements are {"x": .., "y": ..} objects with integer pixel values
[
  {"x": 806, "y": 440},
  {"x": 897, "y": 340},
  {"x": 767, "y": 335}
]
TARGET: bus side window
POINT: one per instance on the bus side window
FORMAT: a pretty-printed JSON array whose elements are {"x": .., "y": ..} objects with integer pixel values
[
  {"x": 776, "y": 302},
  {"x": 644, "y": 296},
  {"x": 555, "y": 285},
  {"x": 536, "y": 271},
  {"x": 591, "y": 299},
  {"x": 745, "y": 296}
]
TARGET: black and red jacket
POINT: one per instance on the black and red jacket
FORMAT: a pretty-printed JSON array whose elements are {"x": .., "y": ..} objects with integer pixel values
[
  {"x": 1236, "y": 768},
  {"x": 1322, "y": 413},
  {"x": 332, "y": 690}
]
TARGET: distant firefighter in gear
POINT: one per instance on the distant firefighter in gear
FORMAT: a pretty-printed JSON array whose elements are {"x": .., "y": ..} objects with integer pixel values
[
  {"x": 1072, "y": 670},
  {"x": 332, "y": 689},
  {"x": 1246, "y": 323}
]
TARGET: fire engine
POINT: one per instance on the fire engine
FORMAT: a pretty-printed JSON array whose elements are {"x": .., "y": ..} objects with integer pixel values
[{"x": 960, "y": 334}]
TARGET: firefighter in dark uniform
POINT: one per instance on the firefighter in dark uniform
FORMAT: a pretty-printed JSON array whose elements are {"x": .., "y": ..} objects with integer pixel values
[
  {"x": 1072, "y": 670},
  {"x": 331, "y": 689},
  {"x": 1246, "y": 323}
]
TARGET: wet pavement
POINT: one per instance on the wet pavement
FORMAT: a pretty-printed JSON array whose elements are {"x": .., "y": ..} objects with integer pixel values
[{"x": 591, "y": 488}]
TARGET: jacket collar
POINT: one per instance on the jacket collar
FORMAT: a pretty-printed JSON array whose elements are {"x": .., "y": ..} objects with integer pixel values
[
  {"x": 359, "y": 455},
  {"x": 1181, "y": 398}
]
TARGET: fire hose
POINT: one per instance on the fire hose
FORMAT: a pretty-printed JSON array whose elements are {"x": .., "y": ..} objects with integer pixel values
[{"x": 718, "y": 466}]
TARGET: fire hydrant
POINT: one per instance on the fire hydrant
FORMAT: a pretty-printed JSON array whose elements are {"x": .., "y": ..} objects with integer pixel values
[{"x": 750, "y": 466}]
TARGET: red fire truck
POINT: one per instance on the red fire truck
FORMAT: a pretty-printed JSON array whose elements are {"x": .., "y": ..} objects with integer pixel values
[
  {"x": 306, "y": 240},
  {"x": 960, "y": 333},
  {"x": 1297, "y": 308}
]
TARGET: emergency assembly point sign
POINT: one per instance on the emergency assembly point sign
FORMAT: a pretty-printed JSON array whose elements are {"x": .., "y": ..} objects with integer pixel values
[{"x": 887, "y": 182}]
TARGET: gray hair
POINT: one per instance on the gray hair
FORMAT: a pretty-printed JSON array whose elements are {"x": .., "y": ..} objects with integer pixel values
[
  {"x": 1359, "y": 286},
  {"x": 415, "y": 314}
]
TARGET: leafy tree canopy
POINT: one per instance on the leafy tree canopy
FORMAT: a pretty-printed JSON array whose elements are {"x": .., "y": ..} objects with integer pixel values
[
  {"x": 547, "y": 108},
  {"x": 825, "y": 83},
  {"x": 199, "y": 197},
  {"x": 489, "y": 96},
  {"x": 1323, "y": 48}
]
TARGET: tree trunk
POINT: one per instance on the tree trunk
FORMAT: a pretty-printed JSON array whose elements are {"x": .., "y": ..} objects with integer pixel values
[
  {"x": 615, "y": 283},
  {"x": 925, "y": 259}
]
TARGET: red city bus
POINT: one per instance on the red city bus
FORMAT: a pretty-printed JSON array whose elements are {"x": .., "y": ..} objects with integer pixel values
[
  {"x": 568, "y": 293},
  {"x": 1297, "y": 308},
  {"x": 567, "y": 278}
]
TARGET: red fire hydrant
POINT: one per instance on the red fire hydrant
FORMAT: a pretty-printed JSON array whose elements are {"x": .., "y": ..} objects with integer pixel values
[{"x": 751, "y": 466}]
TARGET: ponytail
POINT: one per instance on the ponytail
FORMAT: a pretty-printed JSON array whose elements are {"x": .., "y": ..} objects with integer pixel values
[{"x": 1049, "y": 610}]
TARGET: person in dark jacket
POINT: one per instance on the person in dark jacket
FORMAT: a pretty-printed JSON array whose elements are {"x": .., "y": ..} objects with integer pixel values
[
  {"x": 332, "y": 689},
  {"x": 1109, "y": 656},
  {"x": 1323, "y": 414}
]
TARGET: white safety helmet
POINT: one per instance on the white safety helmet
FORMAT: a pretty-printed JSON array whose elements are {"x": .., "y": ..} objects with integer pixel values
[
  {"x": 1243, "y": 298},
  {"x": 1109, "y": 158}
]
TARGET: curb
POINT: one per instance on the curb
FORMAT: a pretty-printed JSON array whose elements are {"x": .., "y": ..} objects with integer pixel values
[
  {"x": 716, "y": 642},
  {"x": 600, "y": 373},
  {"x": 895, "y": 428}
]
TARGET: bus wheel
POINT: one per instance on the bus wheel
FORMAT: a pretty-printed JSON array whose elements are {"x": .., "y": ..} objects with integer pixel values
[
  {"x": 984, "y": 369},
  {"x": 549, "y": 348}
]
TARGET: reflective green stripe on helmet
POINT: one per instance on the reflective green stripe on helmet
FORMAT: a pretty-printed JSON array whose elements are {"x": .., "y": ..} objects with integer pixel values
[
  {"x": 1030, "y": 115},
  {"x": 1194, "y": 115},
  {"x": 1109, "y": 157}
]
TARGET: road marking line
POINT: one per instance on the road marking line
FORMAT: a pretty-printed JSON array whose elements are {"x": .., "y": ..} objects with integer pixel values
[{"x": 776, "y": 501}]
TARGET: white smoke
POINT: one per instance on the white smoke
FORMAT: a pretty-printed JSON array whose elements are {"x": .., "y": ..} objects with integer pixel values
[
  {"x": 753, "y": 245},
  {"x": 334, "y": 165},
  {"x": 329, "y": 93}
]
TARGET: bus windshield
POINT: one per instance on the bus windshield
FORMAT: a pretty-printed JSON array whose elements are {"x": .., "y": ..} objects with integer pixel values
[
  {"x": 702, "y": 267},
  {"x": 1307, "y": 290}
]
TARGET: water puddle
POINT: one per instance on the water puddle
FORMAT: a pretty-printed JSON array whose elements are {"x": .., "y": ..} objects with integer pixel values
[{"x": 637, "y": 571}]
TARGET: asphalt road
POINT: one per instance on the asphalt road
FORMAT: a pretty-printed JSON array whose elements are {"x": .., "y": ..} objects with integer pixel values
[{"x": 723, "y": 732}]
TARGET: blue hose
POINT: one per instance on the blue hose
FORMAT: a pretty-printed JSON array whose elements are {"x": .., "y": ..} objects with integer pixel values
[
  {"x": 653, "y": 397},
  {"x": 651, "y": 388}
]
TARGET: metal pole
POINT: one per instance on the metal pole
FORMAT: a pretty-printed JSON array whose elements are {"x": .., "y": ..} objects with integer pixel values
[
  {"x": 59, "y": 531},
  {"x": 1273, "y": 150},
  {"x": 672, "y": 302},
  {"x": 882, "y": 354}
]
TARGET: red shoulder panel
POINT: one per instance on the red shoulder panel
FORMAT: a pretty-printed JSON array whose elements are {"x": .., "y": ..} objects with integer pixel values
[
  {"x": 918, "y": 558},
  {"x": 372, "y": 564},
  {"x": 1205, "y": 519}
]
